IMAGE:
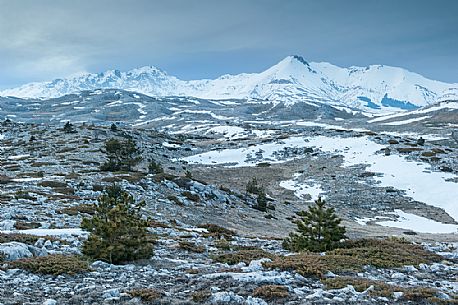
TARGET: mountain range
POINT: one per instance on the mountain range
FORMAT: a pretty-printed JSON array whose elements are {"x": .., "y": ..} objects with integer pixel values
[{"x": 376, "y": 88}]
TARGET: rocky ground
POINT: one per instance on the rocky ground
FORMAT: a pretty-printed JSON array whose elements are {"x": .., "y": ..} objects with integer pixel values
[{"x": 49, "y": 179}]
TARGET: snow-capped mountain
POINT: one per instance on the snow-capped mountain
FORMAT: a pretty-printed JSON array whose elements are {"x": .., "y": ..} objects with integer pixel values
[{"x": 292, "y": 80}]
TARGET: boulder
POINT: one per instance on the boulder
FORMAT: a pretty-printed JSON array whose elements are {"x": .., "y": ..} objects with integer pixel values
[{"x": 15, "y": 250}]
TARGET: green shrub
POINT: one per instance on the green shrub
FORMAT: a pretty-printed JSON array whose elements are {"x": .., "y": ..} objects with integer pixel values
[
  {"x": 354, "y": 255},
  {"x": 318, "y": 230},
  {"x": 245, "y": 256},
  {"x": 254, "y": 188},
  {"x": 117, "y": 231},
  {"x": 122, "y": 155},
  {"x": 261, "y": 201},
  {"x": 55, "y": 264},
  {"x": 69, "y": 128},
  {"x": 155, "y": 168},
  {"x": 23, "y": 238},
  {"x": 386, "y": 253}
]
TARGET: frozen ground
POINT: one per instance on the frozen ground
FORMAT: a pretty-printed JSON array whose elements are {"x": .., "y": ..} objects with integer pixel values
[
  {"x": 302, "y": 188},
  {"x": 414, "y": 178},
  {"x": 247, "y": 156}
]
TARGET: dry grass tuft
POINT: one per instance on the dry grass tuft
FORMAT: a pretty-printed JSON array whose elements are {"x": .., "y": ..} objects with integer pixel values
[
  {"x": 269, "y": 292},
  {"x": 245, "y": 256},
  {"x": 146, "y": 294},
  {"x": 78, "y": 209},
  {"x": 217, "y": 231},
  {"x": 23, "y": 238},
  {"x": 191, "y": 247}
]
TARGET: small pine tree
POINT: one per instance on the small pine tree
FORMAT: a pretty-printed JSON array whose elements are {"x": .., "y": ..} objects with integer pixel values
[
  {"x": 261, "y": 201},
  {"x": 117, "y": 232},
  {"x": 68, "y": 128},
  {"x": 252, "y": 186},
  {"x": 122, "y": 155},
  {"x": 155, "y": 168},
  {"x": 421, "y": 141},
  {"x": 114, "y": 127},
  {"x": 319, "y": 230}
]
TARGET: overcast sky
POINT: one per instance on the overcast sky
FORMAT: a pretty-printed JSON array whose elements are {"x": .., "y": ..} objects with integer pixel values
[{"x": 46, "y": 39}]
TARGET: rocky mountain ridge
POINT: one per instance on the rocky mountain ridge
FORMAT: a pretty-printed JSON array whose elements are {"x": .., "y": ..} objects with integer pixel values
[{"x": 372, "y": 89}]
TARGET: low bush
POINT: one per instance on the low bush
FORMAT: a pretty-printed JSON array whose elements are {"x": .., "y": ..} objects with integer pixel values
[
  {"x": 24, "y": 195},
  {"x": 201, "y": 296},
  {"x": 53, "y": 184},
  {"x": 191, "y": 196},
  {"x": 155, "y": 168},
  {"x": 25, "y": 225},
  {"x": 382, "y": 289},
  {"x": 245, "y": 256},
  {"x": 55, "y": 264},
  {"x": 23, "y": 238},
  {"x": 78, "y": 209},
  {"x": 386, "y": 253},
  {"x": 146, "y": 294},
  {"x": 217, "y": 231},
  {"x": 191, "y": 247},
  {"x": 408, "y": 150},
  {"x": 269, "y": 292},
  {"x": 354, "y": 255}
]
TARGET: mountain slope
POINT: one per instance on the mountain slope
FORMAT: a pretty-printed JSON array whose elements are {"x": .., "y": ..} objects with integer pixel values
[{"x": 373, "y": 88}]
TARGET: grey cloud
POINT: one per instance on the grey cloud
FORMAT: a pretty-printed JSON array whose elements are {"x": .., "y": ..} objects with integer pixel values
[{"x": 44, "y": 39}]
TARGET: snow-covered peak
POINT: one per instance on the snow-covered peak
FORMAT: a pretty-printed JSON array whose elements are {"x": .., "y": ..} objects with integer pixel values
[
  {"x": 293, "y": 79},
  {"x": 290, "y": 67},
  {"x": 146, "y": 70}
]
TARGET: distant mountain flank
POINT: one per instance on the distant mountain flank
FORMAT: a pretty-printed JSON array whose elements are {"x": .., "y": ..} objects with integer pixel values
[{"x": 375, "y": 88}]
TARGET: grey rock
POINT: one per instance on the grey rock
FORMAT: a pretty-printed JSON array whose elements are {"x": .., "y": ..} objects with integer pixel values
[
  {"x": 37, "y": 251},
  {"x": 111, "y": 293},
  {"x": 15, "y": 250}
]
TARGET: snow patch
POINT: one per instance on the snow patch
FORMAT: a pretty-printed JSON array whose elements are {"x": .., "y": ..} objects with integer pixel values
[
  {"x": 302, "y": 188},
  {"x": 419, "y": 224},
  {"x": 51, "y": 232},
  {"x": 247, "y": 156},
  {"x": 415, "y": 178},
  {"x": 407, "y": 121}
]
